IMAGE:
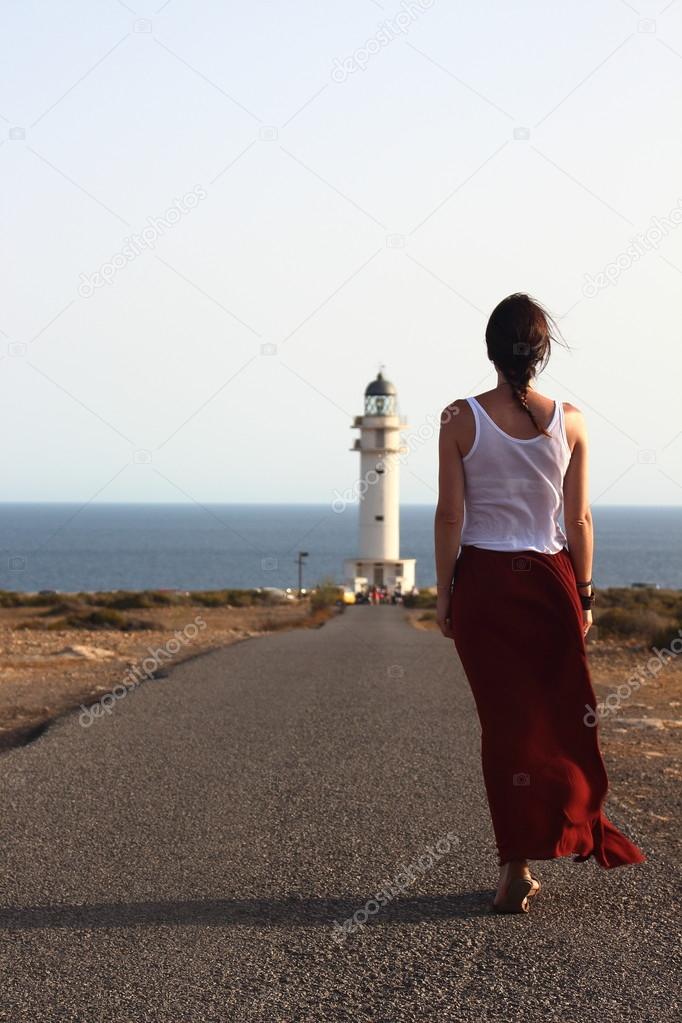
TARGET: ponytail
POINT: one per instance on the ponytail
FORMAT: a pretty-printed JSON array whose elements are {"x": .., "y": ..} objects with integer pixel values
[{"x": 519, "y": 339}]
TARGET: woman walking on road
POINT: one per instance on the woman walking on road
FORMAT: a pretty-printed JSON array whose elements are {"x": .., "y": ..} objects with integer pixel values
[{"x": 517, "y": 603}]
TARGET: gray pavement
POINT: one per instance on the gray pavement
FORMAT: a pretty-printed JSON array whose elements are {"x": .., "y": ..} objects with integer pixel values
[{"x": 185, "y": 857}]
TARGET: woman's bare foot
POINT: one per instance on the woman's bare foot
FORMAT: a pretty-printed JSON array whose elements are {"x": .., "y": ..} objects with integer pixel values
[{"x": 511, "y": 871}]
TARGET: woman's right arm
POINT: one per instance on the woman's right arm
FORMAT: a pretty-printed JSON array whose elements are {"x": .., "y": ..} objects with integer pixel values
[{"x": 577, "y": 514}]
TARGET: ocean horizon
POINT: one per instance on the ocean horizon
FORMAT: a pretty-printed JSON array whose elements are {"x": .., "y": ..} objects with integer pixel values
[{"x": 129, "y": 546}]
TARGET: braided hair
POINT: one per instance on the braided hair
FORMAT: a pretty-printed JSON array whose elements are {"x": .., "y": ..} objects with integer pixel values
[{"x": 519, "y": 338}]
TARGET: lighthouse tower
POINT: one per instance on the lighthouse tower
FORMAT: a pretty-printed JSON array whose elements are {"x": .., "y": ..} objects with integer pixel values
[{"x": 378, "y": 562}]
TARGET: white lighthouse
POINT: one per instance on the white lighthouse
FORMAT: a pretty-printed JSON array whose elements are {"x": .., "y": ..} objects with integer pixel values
[{"x": 378, "y": 562}]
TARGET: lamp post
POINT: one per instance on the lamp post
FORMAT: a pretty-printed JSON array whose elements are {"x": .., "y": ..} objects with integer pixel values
[{"x": 299, "y": 562}]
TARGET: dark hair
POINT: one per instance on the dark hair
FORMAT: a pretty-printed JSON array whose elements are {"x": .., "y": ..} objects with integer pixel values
[{"x": 519, "y": 339}]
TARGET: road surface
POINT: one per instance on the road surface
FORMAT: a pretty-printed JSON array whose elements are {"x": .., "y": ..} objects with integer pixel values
[{"x": 185, "y": 858}]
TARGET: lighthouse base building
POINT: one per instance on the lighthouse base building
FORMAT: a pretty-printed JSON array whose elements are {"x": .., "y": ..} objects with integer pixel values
[
  {"x": 394, "y": 575},
  {"x": 378, "y": 562}
]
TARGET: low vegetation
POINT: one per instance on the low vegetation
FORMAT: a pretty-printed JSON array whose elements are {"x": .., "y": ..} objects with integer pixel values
[
  {"x": 108, "y": 610},
  {"x": 123, "y": 600},
  {"x": 636, "y": 615},
  {"x": 422, "y": 599},
  {"x": 639, "y": 614},
  {"x": 327, "y": 594},
  {"x": 102, "y": 618}
]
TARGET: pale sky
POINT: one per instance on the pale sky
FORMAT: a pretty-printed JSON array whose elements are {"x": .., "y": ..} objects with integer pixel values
[{"x": 367, "y": 179}]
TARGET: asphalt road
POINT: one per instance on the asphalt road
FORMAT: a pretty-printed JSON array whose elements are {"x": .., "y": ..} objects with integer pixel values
[{"x": 185, "y": 857}]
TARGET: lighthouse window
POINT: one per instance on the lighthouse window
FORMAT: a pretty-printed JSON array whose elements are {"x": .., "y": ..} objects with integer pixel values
[
  {"x": 381, "y": 438},
  {"x": 380, "y": 405},
  {"x": 379, "y": 518}
]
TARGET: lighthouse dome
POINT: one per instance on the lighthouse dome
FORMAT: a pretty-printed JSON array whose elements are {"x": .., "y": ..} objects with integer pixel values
[
  {"x": 380, "y": 386},
  {"x": 381, "y": 397}
]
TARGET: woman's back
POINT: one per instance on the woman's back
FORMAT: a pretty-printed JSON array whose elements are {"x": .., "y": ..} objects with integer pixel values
[
  {"x": 513, "y": 474},
  {"x": 506, "y": 412}
]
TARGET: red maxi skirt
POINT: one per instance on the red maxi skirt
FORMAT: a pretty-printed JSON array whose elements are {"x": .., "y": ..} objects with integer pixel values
[{"x": 517, "y": 625}]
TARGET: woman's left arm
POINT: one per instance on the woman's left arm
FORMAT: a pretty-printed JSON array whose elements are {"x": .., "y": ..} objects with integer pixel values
[{"x": 449, "y": 517}]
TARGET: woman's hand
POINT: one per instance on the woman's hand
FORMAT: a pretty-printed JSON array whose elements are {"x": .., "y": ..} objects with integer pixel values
[
  {"x": 587, "y": 622},
  {"x": 443, "y": 614}
]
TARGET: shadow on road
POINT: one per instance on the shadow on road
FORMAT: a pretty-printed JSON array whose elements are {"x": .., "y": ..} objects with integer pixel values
[{"x": 244, "y": 912}]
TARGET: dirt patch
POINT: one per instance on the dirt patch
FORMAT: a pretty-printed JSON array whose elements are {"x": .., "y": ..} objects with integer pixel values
[{"x": 45, "y": 671}]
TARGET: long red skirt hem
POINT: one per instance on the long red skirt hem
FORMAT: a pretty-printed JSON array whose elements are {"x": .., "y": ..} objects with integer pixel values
[
  {"x": 517, "y": 625},
  {"x": 600, "y": 839}
]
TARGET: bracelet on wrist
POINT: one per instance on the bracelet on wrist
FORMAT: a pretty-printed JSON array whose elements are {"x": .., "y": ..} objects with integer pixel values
[
  {"x": 580, "y": 585},
  {"x": 587, "y": 601}
]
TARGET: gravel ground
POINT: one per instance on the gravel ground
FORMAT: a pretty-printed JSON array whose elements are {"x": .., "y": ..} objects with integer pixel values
[{"x": 185, "y": 857}]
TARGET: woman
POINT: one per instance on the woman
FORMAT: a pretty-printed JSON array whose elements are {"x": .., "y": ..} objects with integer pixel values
[{"x": 517, "y": 602}]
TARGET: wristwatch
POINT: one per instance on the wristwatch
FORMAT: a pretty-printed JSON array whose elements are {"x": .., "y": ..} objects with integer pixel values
[{"x": 586, "y": 599}]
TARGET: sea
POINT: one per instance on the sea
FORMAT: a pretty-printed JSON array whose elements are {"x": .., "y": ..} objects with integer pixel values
[{"x": 73, "y": 548}]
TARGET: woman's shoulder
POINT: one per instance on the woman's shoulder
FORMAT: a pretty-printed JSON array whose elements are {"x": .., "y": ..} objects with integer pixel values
[
  {"x": 456, "y": 412},
  {"x": 575, "y": 427},
  {"x": 571, "y": 412},
  {"x": 458, "y": 428}
]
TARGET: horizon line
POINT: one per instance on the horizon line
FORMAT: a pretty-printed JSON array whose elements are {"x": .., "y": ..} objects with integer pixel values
[{"x": 265, "y": 504}]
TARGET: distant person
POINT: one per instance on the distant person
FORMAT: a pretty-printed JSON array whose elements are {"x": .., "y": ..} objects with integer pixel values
[{"x": 517, "y": 602}]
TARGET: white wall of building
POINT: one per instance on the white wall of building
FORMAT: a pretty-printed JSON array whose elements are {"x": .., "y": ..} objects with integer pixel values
[{"x": 380, "y": 490}]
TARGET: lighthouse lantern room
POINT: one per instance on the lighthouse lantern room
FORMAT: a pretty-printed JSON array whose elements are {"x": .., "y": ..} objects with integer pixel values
[{"x": 378, "y": 562}]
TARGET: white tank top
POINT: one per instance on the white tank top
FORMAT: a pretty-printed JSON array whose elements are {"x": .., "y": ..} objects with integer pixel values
[{"x": 513, "y": 498}]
